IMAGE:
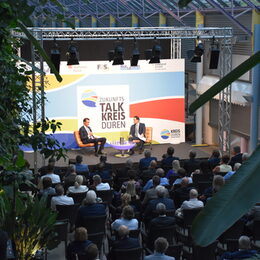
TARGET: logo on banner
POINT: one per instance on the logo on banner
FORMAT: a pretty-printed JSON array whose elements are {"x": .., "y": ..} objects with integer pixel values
[
  {"x": 165, "y": 134},
  {"x": 175, "y": 133},
  {"x": 89, "y": 98}
]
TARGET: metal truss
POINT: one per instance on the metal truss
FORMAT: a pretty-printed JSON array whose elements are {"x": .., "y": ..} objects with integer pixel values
[
  {"x": 224, "y": 113},
  {"x": 144, "y": 9},
  {"x": 130, "y": 33}
]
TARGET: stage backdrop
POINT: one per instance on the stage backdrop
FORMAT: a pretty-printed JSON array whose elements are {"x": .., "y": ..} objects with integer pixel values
[{"x": 110, "y": 96}]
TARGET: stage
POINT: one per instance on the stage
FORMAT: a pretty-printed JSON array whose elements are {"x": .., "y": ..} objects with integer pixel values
[{"x": 181, "y": 151}]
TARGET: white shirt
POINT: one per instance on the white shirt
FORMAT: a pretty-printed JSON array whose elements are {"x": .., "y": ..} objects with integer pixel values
[
  {"x": 192, "y": 204},
  {"x": 61, "y": 200},
  {"x": 103, "y": 186},
  {"x": 88, "y": 131},
  {"x": 54, "y": 177},
  {"x": 131, "y": 224},
  {"x": 137, "y": 129},
  {"x": 225, "y": 168},
  {"x": 81, "y": 188}
]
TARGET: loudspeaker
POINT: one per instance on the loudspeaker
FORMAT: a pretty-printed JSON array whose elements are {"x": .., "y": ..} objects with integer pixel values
[
  {"x": 55, "y": 59},
  {"x": 214, "y": 57}
]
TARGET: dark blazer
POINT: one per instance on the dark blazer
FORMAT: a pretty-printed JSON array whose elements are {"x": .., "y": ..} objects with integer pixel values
[
  {"x": 191, "y": 165},
  {"x": 144, "y": 163},
  {"x": 239, "y": 254},
  {"x": 76, "y": 247},
  {"x": 96, "y": 209},
  {"x": 167, "y": 162},
  {"x": 160, "y": 222},
  {"x": 236, "y": 159},
  {"x": 141, "y": 129},
  {"x": 153, "y": 203},
  {"x": 84, "y": 134}
]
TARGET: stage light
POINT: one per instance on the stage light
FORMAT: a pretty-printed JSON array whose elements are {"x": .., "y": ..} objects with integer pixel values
[
  {"x": 72, "y": 54},
  {"x": 195, "y": 55},
  {"x": 156, "y": 52},
  {"x": 148, "y": 54},
  {"x": 118, "y": 53},
  {"x": 55, "y": 56},
  {"x": 135, "y": 54},
  {"x": 214, "y": 55}
]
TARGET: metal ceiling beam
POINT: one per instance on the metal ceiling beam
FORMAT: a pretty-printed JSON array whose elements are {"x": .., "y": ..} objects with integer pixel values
[
  {"x": 166, "y": 9},
  {"x": 252, "y": 5},
  {"x": 230, "y": 17}
]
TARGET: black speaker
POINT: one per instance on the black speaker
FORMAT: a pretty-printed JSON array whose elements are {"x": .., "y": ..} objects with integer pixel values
[
  {"x": 55, "y": 58},
  {"x": 214, "y": 57}
]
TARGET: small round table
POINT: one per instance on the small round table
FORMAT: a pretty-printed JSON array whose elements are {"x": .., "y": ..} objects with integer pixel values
[{"x": 122, "y": 148}]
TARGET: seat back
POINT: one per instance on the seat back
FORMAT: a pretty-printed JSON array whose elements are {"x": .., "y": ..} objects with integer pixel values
[
  {"x": 256, "y": 230},
  {"x": 128, "y": 254},
  {"x": 77, "y": 138},
  {"x": 189, "y": 215},
  {"x": 234, "y": 232},
  {"x": 78, "y": 197},
  {"x": 205, "y": 253},
  {"x": 105, "y": 195},
  {"x": 61, "y": 228},
  {"x": 202, "y": 178},
  {"x": 202, "y": 186},
  {"x": 149, "y": 134},
  {"x": 166, "y": 232},
  {"x": 94, "y": 224},
  {"x": 175, "y": 251},
  {"x": 67, "y": 212},
  {"x": 97, "y": 238}
]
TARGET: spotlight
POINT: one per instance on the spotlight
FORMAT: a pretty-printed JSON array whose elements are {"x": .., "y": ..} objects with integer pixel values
[
  {"x": 214, "y": 55},
  {"x": 118, "y": 54},
  {"x": 148, "y": 54},
  {"x": 135, "y": 54},
  {"x": 55, "y": 56},
  {"x": 72, "y": 54},
  {"x": 195, "y": 55},
  {"x": 156, "y": 52}
]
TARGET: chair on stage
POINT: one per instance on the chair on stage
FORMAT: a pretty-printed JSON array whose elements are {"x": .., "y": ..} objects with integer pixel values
[
  {"x": 148, "y": 136},
  {"x": 79, "y": 142}
]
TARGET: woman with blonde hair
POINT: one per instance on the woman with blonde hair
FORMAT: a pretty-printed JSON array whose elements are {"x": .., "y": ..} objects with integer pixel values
[{"x": 78, "y": 187}]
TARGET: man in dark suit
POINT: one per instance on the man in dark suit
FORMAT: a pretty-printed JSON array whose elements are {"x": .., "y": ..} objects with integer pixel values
[
  {"x": 237, "y": 158},
  {"x": 192, "y": 164},
  {"x": 123, "y": 242},
  {"x": 137, "y": 132},
  {"x": 168, "y": 158},
  {"x": 87, "y": 137}
]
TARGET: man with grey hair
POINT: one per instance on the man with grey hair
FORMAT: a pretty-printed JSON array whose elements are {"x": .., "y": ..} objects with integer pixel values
[
  {"x": 163, "y": 181},
  {"x": 245, "y": 157},
  {"x": 123, "y": 242},
  {"x": 60, "y": 199},
  {"x": 151, "y": 207},
  {"x": 70, "y": 178},
  {"x": 244, "y": 251},
  {"x": 192, "y": 203},
  {"x": 231, "y": 173},
  {"x": 192, "y": 164},
  {"x": 145, "y": 162},
  {"x": 160, "y": 247},
  {"x": 98, "y": 184}
]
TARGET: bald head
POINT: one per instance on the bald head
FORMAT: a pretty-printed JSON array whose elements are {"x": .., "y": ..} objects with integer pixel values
[
  {"x": 193, "y": 194},
  {"x": 244, "y": 243},
  {"x": 123, "y": 231},
  {"x": 184, "y": 182}
]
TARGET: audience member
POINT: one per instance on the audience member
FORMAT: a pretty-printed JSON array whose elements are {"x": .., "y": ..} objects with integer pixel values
[
  {"x": 100, "y": 185},
  {"x": 78, "y": 187},
  {"x": 161, "y": 193},
  {"x": 144, "y": 163},
  {"x": 244, "y": 251},
  {"x": 71, "y": 177},
  {"x": 160, "y": 247},
  {"x": 182, "y": 173},
  {"x": 192, "y": 203},
  {"x": 80, "y": 167},
  {"x": 91, "y": 252},
  {"x": 214, "y": 159},
  {"x": 223, "y": 167},
  {"x": 123, "y": 173},
  {"x": 51, "y": 162},
  {"x": 127, "y": 219},
  {"x": 123, "y": 242},
  {"x": 229, "y": 174},
  {"x": 90, "y": 207},
  {"x": 26, "y": 170},
  {"x": 132, "y": 176},
  {"x": 168, "y": 158},
  {"x": 152, "y": 193},
  {"x": 60, "y": 199},
  {"x": 192, "y": 164},
  {"x": 237, "y": 158},
  {"x": 79, "y": 245},
  {"x": 174, "y": 170},
  {"x": 150, "y": 172},
  {"x": 49, "y": 173},
  {"x": 163, "y": 181},
  {"x": 182, "y": 193},
  {"x": 47, "y": 187}
]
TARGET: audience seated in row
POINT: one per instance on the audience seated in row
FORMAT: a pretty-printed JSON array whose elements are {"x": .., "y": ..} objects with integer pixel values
[
  {"x": 168, "y": 158},
  {"x": 78, "y": 187},
  {"x": 90, "y": 207},
  {"x": 98, "y": 184},
  {"x": 60, "y": 199},
  {"x": 49, "y": 173},
  {"x": 80, "y": 167},
  {"x": 192, "y": 164},
  {"x": 47, "y": 187},
  {"x": 144, "y": 163}
]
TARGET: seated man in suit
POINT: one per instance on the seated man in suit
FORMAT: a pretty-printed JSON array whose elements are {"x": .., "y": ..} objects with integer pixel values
[
  {"x": 87, "y": 137},
  {"x": 137, "y": 132},
  {"x": 144, "y": 163},
  {"x": 244, "y": 251},
  {"x": 237, "y": 158},
  {"x": 160, "y": 247},
  {"x": 168, "y": 158},
  {"x": 161, "y": 193},
  {"x": 124, "y": 242}
]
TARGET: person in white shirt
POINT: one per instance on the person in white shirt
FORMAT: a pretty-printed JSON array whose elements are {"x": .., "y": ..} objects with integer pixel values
[
  {"x": 99, "y": 185},
  {"x": 60, "y": 199},
  {"x": 192, "y": 203},
  {"x": 54, "y": 177},
  {"x": 78, "y": 187}
]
